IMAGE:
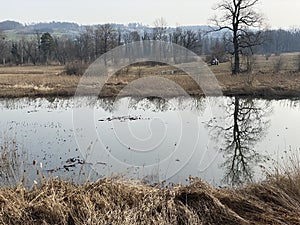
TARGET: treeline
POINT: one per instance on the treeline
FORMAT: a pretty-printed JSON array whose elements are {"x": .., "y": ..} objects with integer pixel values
[
  {"x": 280, "y": 41},
  {"x": 44, "y": 48}
]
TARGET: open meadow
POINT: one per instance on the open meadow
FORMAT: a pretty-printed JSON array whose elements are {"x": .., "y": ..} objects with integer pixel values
[{"x": 277, "y": 76}]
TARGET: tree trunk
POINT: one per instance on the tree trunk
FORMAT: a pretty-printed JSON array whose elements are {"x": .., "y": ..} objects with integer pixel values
[{"x": 236, "y": 65}]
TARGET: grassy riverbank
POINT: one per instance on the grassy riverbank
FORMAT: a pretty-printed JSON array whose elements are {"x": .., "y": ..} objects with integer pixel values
[
  {"x": 275, "y": 201},
  {"x": 46, "y": 81}
]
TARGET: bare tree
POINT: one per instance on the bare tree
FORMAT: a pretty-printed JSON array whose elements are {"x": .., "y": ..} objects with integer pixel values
[
  {"x": 239, "y": 17},
  {"x": 85, "y": 46},
  {"x": 134, "y": 36},
  {"x": 176, "y": 36},
  {"x": 31, "y": 50},
  {"x": 60, "y": 50},
  {"x": 190, "y": 40},
  {"x": 130, "y": 37},
  {"x": 218, "y": 51},
  {"x": 3, "y": 47},
  {"x": 160, "y": 29},
  {"x": 16, "y": 52},
  {"x": 107, "y": 38}
]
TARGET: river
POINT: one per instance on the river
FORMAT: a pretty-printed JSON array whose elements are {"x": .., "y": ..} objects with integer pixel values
[{"x": 223, "y": 140}]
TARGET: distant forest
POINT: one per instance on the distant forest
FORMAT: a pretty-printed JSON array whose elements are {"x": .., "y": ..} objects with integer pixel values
[{"x": 62, "y": 42}]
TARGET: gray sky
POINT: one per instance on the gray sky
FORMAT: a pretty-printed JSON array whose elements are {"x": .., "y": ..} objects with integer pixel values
[{"x": 280, "y": 14}]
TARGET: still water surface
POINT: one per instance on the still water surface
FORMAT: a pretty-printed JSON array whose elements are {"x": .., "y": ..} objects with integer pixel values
[{"x": 150, "y": 139}]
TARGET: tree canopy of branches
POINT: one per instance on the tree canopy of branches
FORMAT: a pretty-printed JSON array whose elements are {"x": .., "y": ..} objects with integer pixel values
[
  {"x": 239, "y": 17},
  {"x": 159, "y": 30}
]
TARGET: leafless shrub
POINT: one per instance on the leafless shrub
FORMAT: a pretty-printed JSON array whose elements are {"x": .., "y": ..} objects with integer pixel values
[
  {"x": 75, "y": 68},
  {"x": 298, "y": 63},
  {"x": 247, "y": 67},
  {"x": 267, "y": 56},
  {"x": 139, "y": 71},
  {"x": 278, "y": 63},
  {"x": 250, "y": 63}
]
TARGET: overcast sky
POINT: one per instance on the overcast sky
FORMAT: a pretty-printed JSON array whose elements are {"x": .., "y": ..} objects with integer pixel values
[{"x": 280, "y": 14}]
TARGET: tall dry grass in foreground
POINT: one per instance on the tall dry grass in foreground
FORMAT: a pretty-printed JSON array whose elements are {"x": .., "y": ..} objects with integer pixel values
[
  {"x": 107, "y": 201},
  {"x": 119, "y": 201}
]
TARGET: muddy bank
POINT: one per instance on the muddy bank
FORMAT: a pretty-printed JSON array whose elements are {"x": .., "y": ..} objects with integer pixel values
[
  {"x": 106, "y": 201},
  {"x": 114, "y": 90}
]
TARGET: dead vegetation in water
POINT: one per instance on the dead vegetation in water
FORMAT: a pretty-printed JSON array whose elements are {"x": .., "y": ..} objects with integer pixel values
[{"x": 109, "y": 201}]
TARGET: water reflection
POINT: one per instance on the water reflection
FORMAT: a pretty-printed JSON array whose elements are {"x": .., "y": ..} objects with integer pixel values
[
  {"x": 246, "y": 124},
  {"x": 43, "y": 129},
  {"x": 156, "y": 104},
  {"x": 145, "y": 138}
]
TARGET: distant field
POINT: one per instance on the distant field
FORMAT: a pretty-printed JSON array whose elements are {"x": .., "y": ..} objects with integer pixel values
[
  {"x": 278, "y": 76},
  {"x": 20, "y": 81}
]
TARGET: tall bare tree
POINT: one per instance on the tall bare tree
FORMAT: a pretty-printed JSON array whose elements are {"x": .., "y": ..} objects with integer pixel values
[
  {"x": 190, "y": 41},
  {"x": 3, "y": 47},
  {"x": 160, "y": 29},
  {"x": 107, "y": 38},
  {"x": 239, "y": 17}
]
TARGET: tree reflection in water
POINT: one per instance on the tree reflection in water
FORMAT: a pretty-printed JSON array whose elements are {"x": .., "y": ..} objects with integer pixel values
[{"x": 245, "y": 125}]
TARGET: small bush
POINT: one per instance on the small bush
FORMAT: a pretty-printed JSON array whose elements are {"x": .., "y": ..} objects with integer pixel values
[
  {"x": 75, "y": 68},
  {"x": 278, "y": 63},
  {"x": 268, "y": 56},
  {"x": 298, "y": 63}
]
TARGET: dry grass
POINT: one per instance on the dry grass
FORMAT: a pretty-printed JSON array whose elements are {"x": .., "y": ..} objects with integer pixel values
[
  {"x": 36, "y": 81},
  {"x": 108, "y": 201},
  {"x": 279, "y": 76}
]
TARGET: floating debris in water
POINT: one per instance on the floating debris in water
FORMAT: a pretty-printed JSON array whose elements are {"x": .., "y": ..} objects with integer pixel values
[{"x": 123, "y": 118}]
